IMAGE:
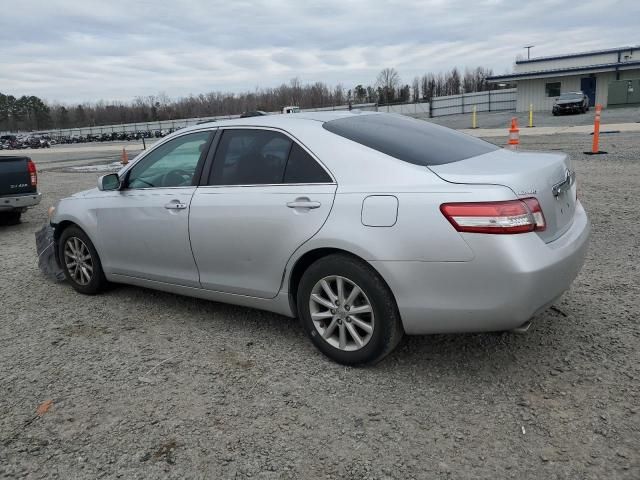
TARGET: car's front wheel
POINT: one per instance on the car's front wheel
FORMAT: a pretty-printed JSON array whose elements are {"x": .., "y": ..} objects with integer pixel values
[
  {"x": 348, "y": 311},
  {"x": 80, "y": 262}
]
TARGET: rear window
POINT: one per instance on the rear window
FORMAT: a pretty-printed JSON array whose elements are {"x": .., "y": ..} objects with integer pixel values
[{"x": 408, "y": 139}]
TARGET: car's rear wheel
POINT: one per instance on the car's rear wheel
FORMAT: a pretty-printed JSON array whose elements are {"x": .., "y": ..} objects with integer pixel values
[
  {"x": 348, "y": 311},
  {"x": 80, "y": 262}
]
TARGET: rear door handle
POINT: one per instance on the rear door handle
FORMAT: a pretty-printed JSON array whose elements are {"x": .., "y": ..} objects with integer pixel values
[
  {"x": 304, "y": 203},
  {"x": 175, "y": 205}
]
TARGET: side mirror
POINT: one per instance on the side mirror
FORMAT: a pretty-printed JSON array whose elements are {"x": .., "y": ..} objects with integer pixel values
[{"x": 109, "y": 182}]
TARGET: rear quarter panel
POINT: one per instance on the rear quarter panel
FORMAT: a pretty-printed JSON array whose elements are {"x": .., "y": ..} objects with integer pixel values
[{"x": 421, "y": 232}]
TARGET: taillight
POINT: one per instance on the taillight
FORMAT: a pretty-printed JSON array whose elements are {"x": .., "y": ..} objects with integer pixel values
[
  {"x": 536, "y": 212},
  {"x": 33, "y": 174},
  {"x": 513, "y": 216}
]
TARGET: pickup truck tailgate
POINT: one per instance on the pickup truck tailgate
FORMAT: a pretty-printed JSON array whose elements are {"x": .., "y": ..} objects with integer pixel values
[{"x": 15, "y": 177}]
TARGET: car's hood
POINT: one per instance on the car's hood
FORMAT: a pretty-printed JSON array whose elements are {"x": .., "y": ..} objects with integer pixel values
[{"x": 566, "y": 102}]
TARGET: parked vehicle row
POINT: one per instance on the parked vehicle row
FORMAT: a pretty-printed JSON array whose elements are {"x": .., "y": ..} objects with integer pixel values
[
  {"x": 115, "y": 136},
  {"x": 19, "y": 142}
]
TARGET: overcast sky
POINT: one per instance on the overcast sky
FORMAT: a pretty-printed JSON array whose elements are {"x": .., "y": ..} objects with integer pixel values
[{"x": 74, "y": 51}]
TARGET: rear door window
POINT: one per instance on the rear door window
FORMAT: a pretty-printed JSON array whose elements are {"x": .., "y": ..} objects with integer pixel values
[
  {"x": 302, "y": 168},
  {"x": 250, "y": 157},
  {"x": 263, "y": 157},
  {"x": 408, "y": 139}
]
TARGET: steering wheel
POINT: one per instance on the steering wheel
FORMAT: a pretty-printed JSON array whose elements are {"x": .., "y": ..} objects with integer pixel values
[{"x": 176, "y": 178}]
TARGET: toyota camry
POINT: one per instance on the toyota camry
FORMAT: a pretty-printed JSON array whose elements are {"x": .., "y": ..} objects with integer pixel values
[{"x": 367, "y": 226}]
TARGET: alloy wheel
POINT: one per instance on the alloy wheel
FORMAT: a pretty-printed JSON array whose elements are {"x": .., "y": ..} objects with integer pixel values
[
  {"x": 78, "y": 261},
  {"x": 341, "y": 313}
]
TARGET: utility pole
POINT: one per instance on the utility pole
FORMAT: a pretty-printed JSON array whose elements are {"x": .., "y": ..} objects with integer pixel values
[{"x": 529, "y": 47}]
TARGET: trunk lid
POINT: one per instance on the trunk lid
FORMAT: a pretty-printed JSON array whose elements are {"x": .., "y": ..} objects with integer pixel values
[
  {"x": 545, "y": 176},
  {"x": 15, "y": 178}
]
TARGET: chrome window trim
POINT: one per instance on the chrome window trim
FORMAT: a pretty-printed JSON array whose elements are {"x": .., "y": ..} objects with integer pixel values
[
  {"x": 127, "y": 190},
  {"x": 268, "y": 185}
]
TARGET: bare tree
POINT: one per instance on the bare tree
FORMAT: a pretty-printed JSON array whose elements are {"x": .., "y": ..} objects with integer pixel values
[
  {"x": 387, "y": 82},
  {"x": 28, "y": 112},
  {"x": 454, "y": 82},
  {"x": 338, "y": 96},
  {"x": 415, "y": 89}
]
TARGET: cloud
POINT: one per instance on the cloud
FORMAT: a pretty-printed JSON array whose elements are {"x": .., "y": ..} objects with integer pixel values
[{"x": 90, "y": 50}]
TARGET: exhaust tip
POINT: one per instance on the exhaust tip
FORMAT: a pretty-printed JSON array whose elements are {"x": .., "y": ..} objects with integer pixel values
[{"x": 522, "y": 329}]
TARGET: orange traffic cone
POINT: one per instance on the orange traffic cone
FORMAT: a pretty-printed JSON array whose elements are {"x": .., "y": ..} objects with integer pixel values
[
  {"x": 124, "y": 158},
  {"x": 595, "y": 148},
  {"x": 514, "y": 134}
]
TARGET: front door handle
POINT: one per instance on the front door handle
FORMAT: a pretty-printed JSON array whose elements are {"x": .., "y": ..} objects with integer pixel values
[
  {"x": 304, "y": 203},
  {"x": 175, "y": 205}
]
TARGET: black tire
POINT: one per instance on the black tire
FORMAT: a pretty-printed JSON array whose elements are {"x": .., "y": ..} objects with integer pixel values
[
  {"x": 97, "y": 282},
  {"x": 555, "y": 113},
  {"x": 10, "y": 218},
  {"x": 387, "y": 326}
]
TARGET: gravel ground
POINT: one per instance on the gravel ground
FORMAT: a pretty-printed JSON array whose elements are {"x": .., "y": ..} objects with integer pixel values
[
  {"x": 540, "y": 119},
  {"x": 148, "y": 385}
]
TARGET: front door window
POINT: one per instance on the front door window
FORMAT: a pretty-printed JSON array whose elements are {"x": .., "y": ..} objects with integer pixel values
[{"x": 173, "y": 164}]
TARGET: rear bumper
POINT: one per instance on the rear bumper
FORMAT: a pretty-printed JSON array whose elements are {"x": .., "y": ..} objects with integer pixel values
[
  {"x": 511, "y": 278},
  {"x": 19, "y": 202}
]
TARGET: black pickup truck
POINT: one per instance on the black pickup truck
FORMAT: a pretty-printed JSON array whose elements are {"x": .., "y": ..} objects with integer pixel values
[{"x": 18, "y": 187}]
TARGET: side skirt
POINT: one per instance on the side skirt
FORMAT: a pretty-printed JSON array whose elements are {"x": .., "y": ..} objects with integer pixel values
[{"x": 279, "y": 304}]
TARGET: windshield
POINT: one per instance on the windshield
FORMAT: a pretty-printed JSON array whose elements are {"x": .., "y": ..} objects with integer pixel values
[{"x": 571, "y": 96}]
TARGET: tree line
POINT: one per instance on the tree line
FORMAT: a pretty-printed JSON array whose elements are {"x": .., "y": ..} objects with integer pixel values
[{"x": 27, "y": 113}]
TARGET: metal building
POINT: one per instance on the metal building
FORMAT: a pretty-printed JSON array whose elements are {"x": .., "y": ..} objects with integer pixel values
[{"x": 541, "y": 80}]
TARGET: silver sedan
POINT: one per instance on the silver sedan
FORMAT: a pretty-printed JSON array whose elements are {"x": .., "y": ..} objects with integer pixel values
[{"x": 366, "y": 226}]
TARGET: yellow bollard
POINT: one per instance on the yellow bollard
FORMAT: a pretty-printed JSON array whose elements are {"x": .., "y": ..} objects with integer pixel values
[
  {"x": 530, "y": 115},
  {"x": 474, "y": 121}
]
